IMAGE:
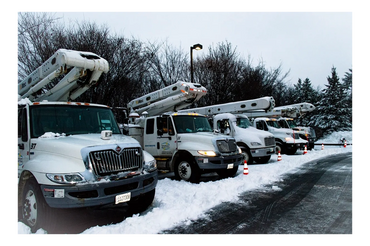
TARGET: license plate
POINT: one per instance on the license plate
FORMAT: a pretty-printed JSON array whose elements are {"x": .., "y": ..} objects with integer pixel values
[
  {"x": 230, "y": 166},
  {"x": 123, "y": 198}
]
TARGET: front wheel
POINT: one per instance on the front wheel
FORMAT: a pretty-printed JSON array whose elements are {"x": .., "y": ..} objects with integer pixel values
[
  {"x": 34, "y": 210},
  {"x": 187, "y": 170}
]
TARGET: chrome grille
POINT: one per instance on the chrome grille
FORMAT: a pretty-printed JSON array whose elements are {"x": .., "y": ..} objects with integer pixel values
[
  {"x": 107, "y": 162},
  {"x": 270, "y": 141},
  {"x": 226, "y": 146}
]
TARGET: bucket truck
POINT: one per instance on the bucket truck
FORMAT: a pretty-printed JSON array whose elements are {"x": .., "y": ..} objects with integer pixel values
[
  {"x": 72, "y": 154},
  {"x": 285, "y": 116},
  {"x": 183, "y": 143},
  {"x": 256, "y": 145}
]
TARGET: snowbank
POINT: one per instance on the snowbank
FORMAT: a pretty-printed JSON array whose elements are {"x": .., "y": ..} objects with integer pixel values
[
  {"x": 178, "y": 202},
  {"x": 336, "y": 137}
]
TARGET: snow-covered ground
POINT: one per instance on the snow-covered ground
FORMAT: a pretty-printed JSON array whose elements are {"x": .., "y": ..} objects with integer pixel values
[{"x": 178, "y": 202}]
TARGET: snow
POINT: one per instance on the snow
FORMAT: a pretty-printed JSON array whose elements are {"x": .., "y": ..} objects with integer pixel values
[
  {"x": 335, "y": 137},
  {"x": 180, "y": 202},
  {"x": 52, "y": 135}
]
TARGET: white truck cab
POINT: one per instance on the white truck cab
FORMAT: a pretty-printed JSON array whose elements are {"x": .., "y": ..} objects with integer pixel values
[
  {"x": 287, "y": 141},
  {"x": 256, "y": 145}
]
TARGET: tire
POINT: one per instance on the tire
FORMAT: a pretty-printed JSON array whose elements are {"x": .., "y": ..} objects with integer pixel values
[
  {"x": 141, "y": 203},
  {"x": 186, "y": 169},
  {"x": 246, "y": 155},
  {"x": 279, "y": 147},
  {"x": 35, "y": 213}
]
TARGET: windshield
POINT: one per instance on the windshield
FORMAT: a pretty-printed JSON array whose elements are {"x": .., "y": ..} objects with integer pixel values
[
  {"x": 191, "y": 124},
  {"x": 283, "y": 123},
  {"x": 70, "y": 119},
  {"x": 273, "y": 123},
  {"x": 292, "y": 123},
  {"x": 243, "y": 122}
]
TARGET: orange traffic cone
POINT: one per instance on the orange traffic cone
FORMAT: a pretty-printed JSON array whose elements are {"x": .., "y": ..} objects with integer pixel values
[
  {"x": 245, "y": 172},
  {"x": 305, "y": 149},
  {"x": 322, "y": 146},
  {"x": 279, "y": 156},
  {"x": 345, "y": 143}
]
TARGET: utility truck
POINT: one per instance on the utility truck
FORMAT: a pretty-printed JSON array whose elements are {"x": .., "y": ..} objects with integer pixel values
[
  {"x": 227, "y": 118},
  {"x": 286, "y": 115},
  {"x": 183, "y": 143},
  {"x": 71, "y": 154}
]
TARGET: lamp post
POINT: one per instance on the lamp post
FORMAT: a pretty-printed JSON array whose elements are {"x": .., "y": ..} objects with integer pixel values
[{"x": 194, "y": 47}]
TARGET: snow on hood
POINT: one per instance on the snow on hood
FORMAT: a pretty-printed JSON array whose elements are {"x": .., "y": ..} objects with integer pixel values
[{"x": 71, "y": 145}]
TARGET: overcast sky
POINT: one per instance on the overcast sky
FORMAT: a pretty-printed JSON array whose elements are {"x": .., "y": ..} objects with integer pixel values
[{"x": 308, "y": 44}]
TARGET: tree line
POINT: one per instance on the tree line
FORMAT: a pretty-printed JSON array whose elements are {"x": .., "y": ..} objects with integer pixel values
[{"x": 137, "y": 68}]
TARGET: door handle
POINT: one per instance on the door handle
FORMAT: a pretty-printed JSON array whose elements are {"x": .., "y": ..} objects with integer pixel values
[{"x": 21, "y": 146}]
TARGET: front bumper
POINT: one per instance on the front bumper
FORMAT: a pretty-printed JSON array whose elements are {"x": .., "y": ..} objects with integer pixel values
[
  {"x": 99, "y": 193},
  {"x": 219, "y": 162},
  {"x": 263, "y": 151}
]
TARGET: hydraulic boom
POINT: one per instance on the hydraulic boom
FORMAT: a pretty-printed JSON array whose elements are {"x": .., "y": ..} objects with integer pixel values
[{"x": 81, "y": 70}]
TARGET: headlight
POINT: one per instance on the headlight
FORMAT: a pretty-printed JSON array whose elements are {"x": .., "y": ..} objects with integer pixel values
[
  {"x": 71, "y": 178},
  {"x": 210, "y": 153},
  {"x": 150, "y": 166},
  {"x": 255, "y": 143}
]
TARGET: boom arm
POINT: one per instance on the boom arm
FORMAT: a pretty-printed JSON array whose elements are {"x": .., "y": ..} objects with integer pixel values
[
  {"x": 170, "y": 98},
  {"x": 75, "y": 65},
  {"x": 293, "y": 110},
  {"x": 263, "y": 103}
]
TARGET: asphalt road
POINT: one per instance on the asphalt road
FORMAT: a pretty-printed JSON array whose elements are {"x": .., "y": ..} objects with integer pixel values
[{"x": 315, "y": 200}]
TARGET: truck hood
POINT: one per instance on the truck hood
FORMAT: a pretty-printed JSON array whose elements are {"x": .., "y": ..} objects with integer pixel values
[
  {"x": 72, "y": 145},
  {"x": 200, "y": 140},
  {"x": 251, "y": 134}
]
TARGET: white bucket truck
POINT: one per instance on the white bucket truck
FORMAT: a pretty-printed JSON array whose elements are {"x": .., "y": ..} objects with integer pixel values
[
  {"x": 183, "y": 143},
  {"x": 287, "y": 141},
  {"x": 227, "y": 118},
  {"x": 72, "y": 154},
  {"x": 285, "y": 116}
]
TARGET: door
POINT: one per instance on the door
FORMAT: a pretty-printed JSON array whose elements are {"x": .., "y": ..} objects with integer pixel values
[
  {"x": 166, "y": 140},
  {"x": 159, "y": 138},
  {"x": 23, "y": 139}
]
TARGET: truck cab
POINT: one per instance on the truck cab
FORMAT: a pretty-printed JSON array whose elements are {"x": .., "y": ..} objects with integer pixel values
[
  {"x": 287, "y": 141},
  {"x": 256, "y": 145},
  {"x": 184, "y": 143},
  {"x": 306, "y": 133}
]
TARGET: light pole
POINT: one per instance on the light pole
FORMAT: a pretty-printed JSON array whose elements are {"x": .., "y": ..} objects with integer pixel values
[{"x": 194, "y": 47}]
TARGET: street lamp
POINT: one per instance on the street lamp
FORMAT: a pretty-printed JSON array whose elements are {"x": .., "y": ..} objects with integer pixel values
[{"x": 194, "y": 47}]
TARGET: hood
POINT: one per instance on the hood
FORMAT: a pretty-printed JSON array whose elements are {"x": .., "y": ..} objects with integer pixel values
[
  {"x": 200, "y": 140},
  {"x": 71, "y": 145},
  {"x": 251, "y": 134}
]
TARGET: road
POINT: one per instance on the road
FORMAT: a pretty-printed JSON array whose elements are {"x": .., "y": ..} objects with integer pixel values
[{"x": 315, "y": 200}]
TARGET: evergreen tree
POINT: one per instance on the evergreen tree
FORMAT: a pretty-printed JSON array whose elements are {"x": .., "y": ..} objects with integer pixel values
[{"x": 333, "y": 113}]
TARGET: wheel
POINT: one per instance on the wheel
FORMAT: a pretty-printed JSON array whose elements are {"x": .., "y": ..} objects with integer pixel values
[
  {"x": 279, "y": 147},
  {"x": 246, "y": 155},
  {"x": 141, "y": 203},
  {"x": 187, "y": 170},
  {"x": 34, "y": 210}
]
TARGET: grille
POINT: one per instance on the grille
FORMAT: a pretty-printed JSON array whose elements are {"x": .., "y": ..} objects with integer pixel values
[
  {"x": 111, "y": 162},
  {"x": 226, "y": 146},
  {"x": 269, "y": 141}
]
